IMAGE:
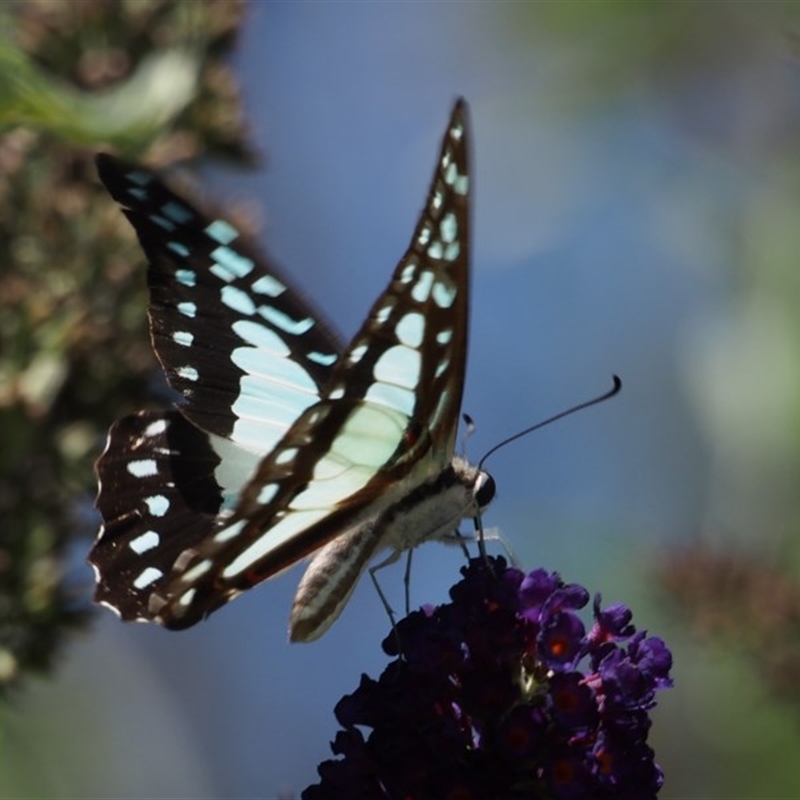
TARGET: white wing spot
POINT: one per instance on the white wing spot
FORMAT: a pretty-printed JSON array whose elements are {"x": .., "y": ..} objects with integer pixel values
[
  {"x": 373, "y": 432},
  {"x": 238, "y": 300},
  {"x": 357, "y": 353},
  {"x": 265, "y": 409},
  {"x": 284, "y": 321},
  {"x": 330, "y": 466},
  {"x": 460, "y": 183},
  {"x": 452, "y": 251},
  {"x": 177, "y": 212},
  {"x": 316, "y": 415},
  {"x": 280, "y": 379},
  {"x": 139, "y": 194},
  {"x": 410, "y": 329},
  {"x": 261, "y": 336},
  {"x": 230, "y": 265},
  {"x": 443, "y": 337},
  {"x": 156, "y": 428},
  {"x": 143, "y": 468},
  {"x": 188, "y": 309},
  {"x": 157, "y": 505},
  {"x": 449, "y": 227},
  {"x": 286, "y": 456},
  {"x": 147, "y": 576},
  {"x": 408, "y": 272},
  {"x": 279, "y": 533},
  {"x": 267, "y": 493},
  {"x": 325, "y": 359},
  {"x": 187, "y": 277},
  {"x": 188, "y": 373},
  {"x": 146, "y": 541},
  {"x": 444, "y": 295},
  {"x": 436, "y": 250},
  {"x": 399, "y": 365},
  {"x": 163, "y": 222},
  {"x": 395, "y": 397},
  {"x": 186, "y": 598},
  {"x": 231, "y": 532},
  {"x": 268, "y": 285},
  {"x": 385, "y": 312},
  {"x": 424, "y": 235},
  {"x": 221, "y": 231},
  {"x": 183, "y": 338},
  {"x": 197, "y": 571},
  {"x": 140, "y": 177}
]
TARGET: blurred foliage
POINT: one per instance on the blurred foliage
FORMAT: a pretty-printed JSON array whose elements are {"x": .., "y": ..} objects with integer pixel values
[
  {"x": 752, "y": 607},
  {"x": 146, "y": 77},
  {"x": 612, "y": 47}
]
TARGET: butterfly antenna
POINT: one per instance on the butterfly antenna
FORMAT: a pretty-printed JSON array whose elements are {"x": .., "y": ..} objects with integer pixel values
[{"x": 586, "y": 404}]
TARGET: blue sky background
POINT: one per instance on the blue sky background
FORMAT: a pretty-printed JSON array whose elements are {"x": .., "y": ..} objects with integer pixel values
[{"x": 630, "y": 195}]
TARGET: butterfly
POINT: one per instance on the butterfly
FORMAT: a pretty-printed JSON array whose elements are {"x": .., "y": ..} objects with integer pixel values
[{"x": 286, "y": 444}]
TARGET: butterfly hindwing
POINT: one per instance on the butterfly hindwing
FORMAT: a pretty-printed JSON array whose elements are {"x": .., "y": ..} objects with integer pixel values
[{"x": 158, "y": 495}]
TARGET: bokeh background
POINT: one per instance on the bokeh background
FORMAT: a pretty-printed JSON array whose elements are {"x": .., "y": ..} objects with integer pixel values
[{"x": 636, "y": 207}]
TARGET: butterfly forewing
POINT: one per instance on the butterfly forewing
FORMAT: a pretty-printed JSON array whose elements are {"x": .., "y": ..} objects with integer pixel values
[
  {"x": 414, "y": 342},
  {"x": 383, "y": 423},
  {"x": 244, "y": 350}
]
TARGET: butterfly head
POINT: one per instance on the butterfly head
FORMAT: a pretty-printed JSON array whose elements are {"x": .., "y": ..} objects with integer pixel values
[
  {"x": 484, "y": 490},
  {"x": 478, "y": 486}
]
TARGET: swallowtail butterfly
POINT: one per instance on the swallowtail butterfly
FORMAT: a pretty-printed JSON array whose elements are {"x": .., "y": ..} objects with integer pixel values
[{"x": 286, "y": 444}]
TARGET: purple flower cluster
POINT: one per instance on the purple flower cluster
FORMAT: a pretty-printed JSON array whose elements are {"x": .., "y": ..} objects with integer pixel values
[{"x": 503, "y": 694}]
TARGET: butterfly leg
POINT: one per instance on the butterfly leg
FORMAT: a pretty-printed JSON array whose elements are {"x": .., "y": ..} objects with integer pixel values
[
  {"x": 407, "y": 581},
  {"x": 391, "y": 559},
  {"x": 479, "y": 536}
]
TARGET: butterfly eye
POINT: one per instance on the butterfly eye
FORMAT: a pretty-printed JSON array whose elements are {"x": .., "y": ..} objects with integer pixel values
[{"x": 485, "y": 491}]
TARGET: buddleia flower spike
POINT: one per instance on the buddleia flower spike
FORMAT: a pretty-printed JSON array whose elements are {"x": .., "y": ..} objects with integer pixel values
[{"x": 504, "y": 693}]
